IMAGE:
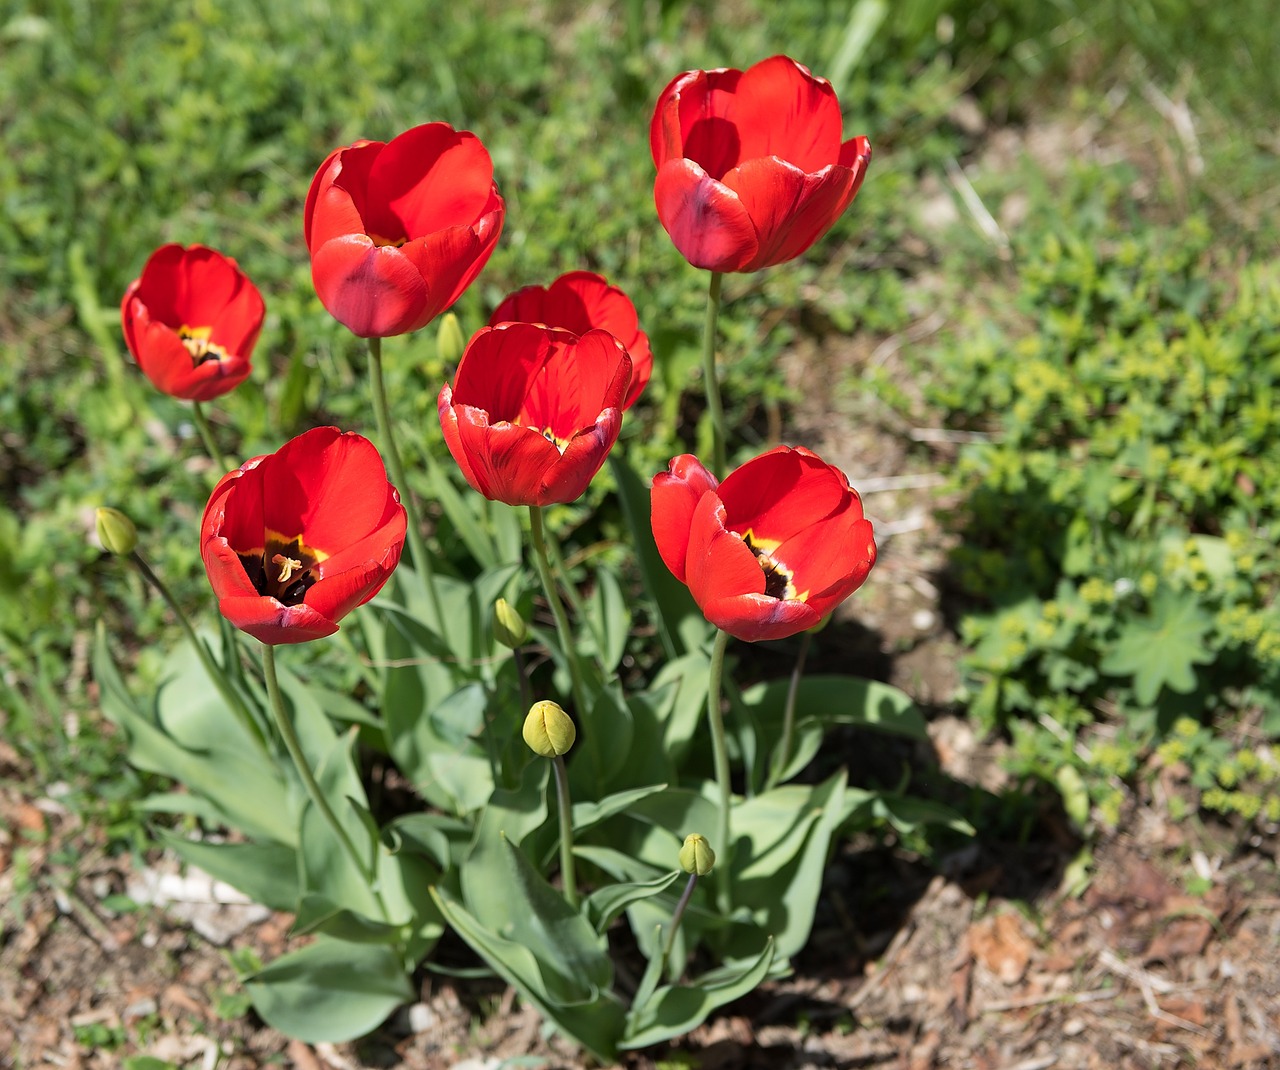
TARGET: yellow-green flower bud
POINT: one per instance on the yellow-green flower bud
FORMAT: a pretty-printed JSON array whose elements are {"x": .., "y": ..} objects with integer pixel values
[
  {"x": 116, "y": 531},
  {"x": 549, "y": 730},
  {"x": 449, "y": 339},
  {"x": 509, "y": 627},
  {"x": 696, "y": 856}
]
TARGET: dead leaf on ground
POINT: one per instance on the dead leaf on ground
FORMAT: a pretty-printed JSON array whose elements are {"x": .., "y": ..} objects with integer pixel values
[{"x": 1000, "y": 944}]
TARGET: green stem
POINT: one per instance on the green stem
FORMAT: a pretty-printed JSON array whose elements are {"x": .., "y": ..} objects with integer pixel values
[
  {"x": 206, "y": 434},
  {"x": 214, "y": 671},
  {"x": 675, "y": 918},
  {"x": 290, "y": 737},
  {"x": 783, "y": 754},
  {"x": 567, "y": 874},
  {"x": 711, "y": 382},
  {"x": 417, "y": 548},
  {"x": 557, "y": 610},
  {"x": 720, "y": 755}
]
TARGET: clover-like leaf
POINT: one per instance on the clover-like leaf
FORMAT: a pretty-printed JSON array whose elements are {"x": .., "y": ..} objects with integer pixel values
[{"x": 1161, "y": 650}]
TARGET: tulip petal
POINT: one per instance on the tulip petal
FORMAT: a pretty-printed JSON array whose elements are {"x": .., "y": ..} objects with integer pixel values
[
  {"x": 453, "y": 437},
  {"x": 580, "y": 379},
  {"x": 756, "y": 618},
  {"x": 499, "y": 365},
  {"x": 333, "y": 597},
  {"x": 373, "y": 291},
  {"x": 581, "y": 301},
  {"x": 338, "y": 193},
  {"x": 449, "y": 260},
  {"x": 427, "y": 179},
  {"x": 674, "y": 496},
  {"x": 790, "y": 210},
  {"x": 273, "y": 622},
  {"x": 831, "y": 553},
  {"x": 705, "y": 219},
  {"x": 780, "y": 109},
  {"x": 781, "y": 492},
  {"x": 509, "y": 462},
  {"x": 329, "y": 486},
  {"x": 567, "y": 479},
  {"x": 718, "y": 564}
]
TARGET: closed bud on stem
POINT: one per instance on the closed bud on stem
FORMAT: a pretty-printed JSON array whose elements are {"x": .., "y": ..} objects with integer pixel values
[
  {"x": 548, "y": 730},
  {"x": 116, "y": 531},
  {"x": 449, "y": 340},
  {"x": 509, "y": 627},
  {"x": 696, "y": 856}
]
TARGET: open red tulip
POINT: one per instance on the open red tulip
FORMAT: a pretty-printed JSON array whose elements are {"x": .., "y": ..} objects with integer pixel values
[
  {"x": 398, "y": 230},
  {"x": 534, "y": 410},
  {"x": 771, "y": 550},
  {"x": 751, "y": 168},
  {"x": 191, "y": 320},
  {"x": 295, "y": 540},
  {"x": 579, "y": 302}
]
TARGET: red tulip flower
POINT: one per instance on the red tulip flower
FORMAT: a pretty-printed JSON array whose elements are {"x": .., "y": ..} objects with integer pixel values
[
  {"x": 771, "y": 550},
  {"x": 579, "y": 302},
  {"x": 295, "y": 540},
  {"x": 397, "y": 230},
  {"x": 534, "y": 410},
  {"x": 751, "y": 168},
  {"x": 191, "y": 321}
]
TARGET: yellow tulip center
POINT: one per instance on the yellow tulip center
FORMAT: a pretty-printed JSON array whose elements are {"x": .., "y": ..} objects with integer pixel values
[
  {"x": 778, "y": 578},
  {"x": 284, "y": 569},
  {"x": 196, "y": 339}
]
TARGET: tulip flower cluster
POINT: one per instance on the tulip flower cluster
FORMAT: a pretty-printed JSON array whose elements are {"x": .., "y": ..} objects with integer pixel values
[{"x": 752, "y": 169}]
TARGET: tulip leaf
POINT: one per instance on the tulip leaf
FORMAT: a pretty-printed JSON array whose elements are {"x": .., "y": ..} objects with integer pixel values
[
  {"x": 331, "y": 990},
  {"x": 318, "y": 913},
  {"x": 442, "y": 839},
  {"x": 610, "y": 620},
  {"x": 604, "y": 746},
  {"x": 683, "y": 686},
  {"x": 190, "y": 735},
  {"x": 604, "y": 904},
  {"x": 507, "y": 896},
  {"x": 588, "y": 814},
  {"x": 460, "y": 716},
  {"x": 461, "y": 513},
  {"x": 777, "y": 871},
  {"x": 266, "y": 872},
  {"x": 676, "y": 1009},
  {"x": 595, "y": 1023},
  {"x": 839, "y": 700}
]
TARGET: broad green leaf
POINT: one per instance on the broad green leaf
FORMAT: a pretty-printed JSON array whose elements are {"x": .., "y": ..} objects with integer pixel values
[
  {"x": 596, "y": 1024},
  {"x": 266, "y": 872},
  {"x": 438, "y": 837},
  {"x": 588, "y": 814},
  {"x": 503, "y": 891},
  {"x": 838, "y": 700},
  {"x": 330, "y": 991},
  {"x": 779, "y": 875},
  {"x": 605, "y": 904},
  {"x": 189, "y": 735},
  {"x": 319, "y": 913},
  {"x": 610, "y": 620},
  {"x": 676, "y": 1009},
  {"x": 603, "y": 749},
  {"x": 682, "y": 685},
  {"x": 1160, "y": 650}
]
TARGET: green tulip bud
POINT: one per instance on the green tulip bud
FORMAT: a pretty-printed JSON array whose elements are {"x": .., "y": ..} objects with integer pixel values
[
  {"x": 509, "y": 627},
  {"x": 449, "y": 339},
  {"x": 696, "y": 856},
  {"x": 548, "y": 730},
  {"x": 116, "y": 531}
]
